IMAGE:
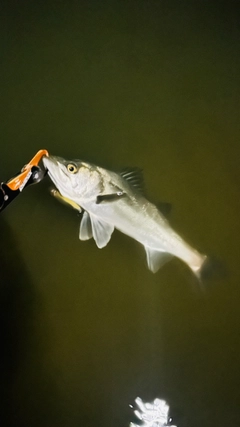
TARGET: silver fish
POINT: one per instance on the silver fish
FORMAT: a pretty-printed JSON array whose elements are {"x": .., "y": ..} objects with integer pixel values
[{"x": 114, "y": 200}]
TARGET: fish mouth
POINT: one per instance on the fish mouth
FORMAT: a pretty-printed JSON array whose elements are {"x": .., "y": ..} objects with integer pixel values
[
  {"x": 49, "y": 163},
  {"x": 48, "y": 160},
  {"x": 56, "y": 170}
]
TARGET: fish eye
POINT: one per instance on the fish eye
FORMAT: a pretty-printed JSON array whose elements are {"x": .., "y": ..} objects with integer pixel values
[{"x": 71, "y": 168}]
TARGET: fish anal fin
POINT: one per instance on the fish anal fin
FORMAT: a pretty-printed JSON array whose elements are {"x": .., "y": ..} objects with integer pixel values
[
  {"x": 156, "y": 259},
  {"x": 164, "y": 208}
]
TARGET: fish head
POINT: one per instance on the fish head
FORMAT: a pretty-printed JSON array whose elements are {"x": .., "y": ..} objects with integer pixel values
[{"x": 73, "y": 178}]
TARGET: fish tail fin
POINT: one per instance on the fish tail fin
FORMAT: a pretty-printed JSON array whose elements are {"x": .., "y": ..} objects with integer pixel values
[{"x": 210, "y": 268}]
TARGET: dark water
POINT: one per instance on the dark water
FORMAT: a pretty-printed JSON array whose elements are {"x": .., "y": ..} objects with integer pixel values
[{"x": 84, "y": 331}]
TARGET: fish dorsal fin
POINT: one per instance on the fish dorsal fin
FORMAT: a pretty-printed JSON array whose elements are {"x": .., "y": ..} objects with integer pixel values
[
  {"x": 101, "y": 231},
  {"x": 134, "y": 176},
  {"x": 85, "y": 232},
  {"x": 156, "y": 259},
  {"x": 165, "y": 208}
]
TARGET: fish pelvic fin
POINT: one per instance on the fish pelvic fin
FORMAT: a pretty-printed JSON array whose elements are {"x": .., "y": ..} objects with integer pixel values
[
  {"x": 92, "y": 226},
  {"x": 156, "y": 259},
  {"x": 102, "y": 231},
  {"x": 85, "y": 232}
]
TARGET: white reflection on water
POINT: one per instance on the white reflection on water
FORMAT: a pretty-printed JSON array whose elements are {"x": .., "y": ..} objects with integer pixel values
[{"x": 153, "y": 414}]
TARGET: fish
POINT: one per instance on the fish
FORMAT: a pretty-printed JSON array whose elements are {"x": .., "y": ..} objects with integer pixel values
[{"x": 115, "y": 200}]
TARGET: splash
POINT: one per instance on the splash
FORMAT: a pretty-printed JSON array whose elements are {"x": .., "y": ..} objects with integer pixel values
[{"x": 153, "y": 414}]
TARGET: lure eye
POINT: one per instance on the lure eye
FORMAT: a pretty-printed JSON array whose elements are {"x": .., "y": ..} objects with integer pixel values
[{"x": 71, "y": 168}]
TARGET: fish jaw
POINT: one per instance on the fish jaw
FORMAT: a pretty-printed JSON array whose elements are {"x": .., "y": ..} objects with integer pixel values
[
  {"x": 66, "y": 183},
  {"x": 56, "y": 172}
]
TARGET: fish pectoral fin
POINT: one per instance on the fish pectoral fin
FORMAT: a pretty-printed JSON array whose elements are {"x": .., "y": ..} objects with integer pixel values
[
  {"x": 101, "y": 231},
  {"x": 102, "y": 198},
  {"x": 85, "y": 232},
  {"x": 156, "y": 259}
]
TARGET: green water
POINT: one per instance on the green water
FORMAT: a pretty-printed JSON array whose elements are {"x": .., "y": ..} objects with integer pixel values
[{"x": 84, "y": 331}]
